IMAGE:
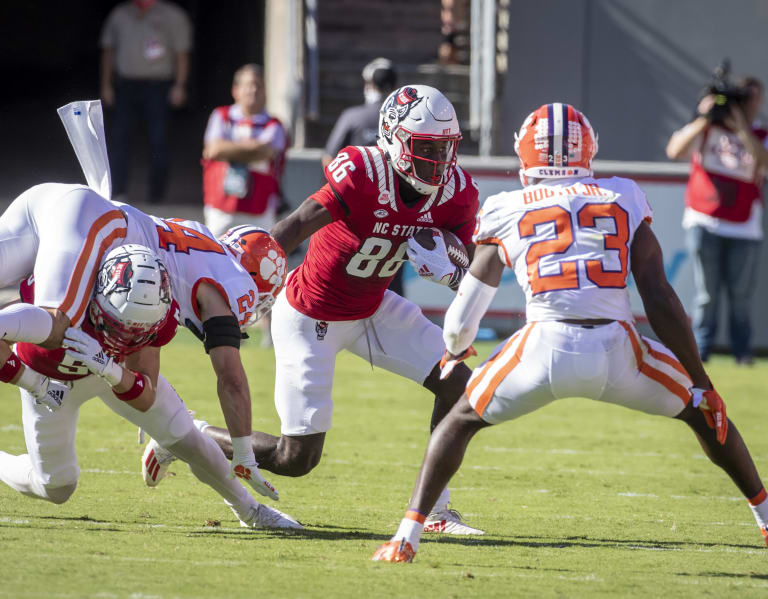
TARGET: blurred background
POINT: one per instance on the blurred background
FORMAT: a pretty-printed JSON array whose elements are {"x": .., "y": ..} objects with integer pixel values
[{"x": 636, "y": 69}]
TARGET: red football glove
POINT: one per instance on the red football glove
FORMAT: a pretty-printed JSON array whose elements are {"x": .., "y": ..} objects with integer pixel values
[
  {"x": 713, "y": 406},
  {"x": 448, "y": 361}
]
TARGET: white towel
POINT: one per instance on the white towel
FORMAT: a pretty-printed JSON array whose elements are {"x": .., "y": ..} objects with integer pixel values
[{"x": 84, "y": 122}]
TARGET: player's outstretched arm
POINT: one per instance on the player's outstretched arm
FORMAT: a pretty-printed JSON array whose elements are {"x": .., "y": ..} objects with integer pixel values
[
  {"x": 222, "y": 342},
  {"x": 662, "y": 306},
  {"x": 474, "y": 295},
  {"x": 223, "y": 346},
  {"x": 311, "y": 216},
  {"x": 670, "y": 323}
]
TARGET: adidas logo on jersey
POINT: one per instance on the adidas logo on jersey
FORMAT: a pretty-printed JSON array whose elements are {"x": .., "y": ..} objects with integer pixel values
[{"x": 425, "y": 218}]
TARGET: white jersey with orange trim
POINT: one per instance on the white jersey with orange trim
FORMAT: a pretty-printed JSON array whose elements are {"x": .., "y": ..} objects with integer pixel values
[
  {"x": 60, "y": 233},
  {"x": 193, "y": 255},
  {"x": 568, "y": 241}
]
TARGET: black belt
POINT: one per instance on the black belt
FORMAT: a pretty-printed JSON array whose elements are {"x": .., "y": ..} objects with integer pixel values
[{"x": 587, "y": 323}]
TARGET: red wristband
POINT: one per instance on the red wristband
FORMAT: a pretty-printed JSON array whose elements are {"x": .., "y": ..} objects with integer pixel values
[
  {"x": 136, "y": 389},
  {"x": 10, "y": 369}
]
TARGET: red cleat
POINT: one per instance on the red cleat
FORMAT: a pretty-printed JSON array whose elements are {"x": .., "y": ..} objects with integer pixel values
[
  {"x": 394, "y": 551},
  {"x": 764, "y": 530}
]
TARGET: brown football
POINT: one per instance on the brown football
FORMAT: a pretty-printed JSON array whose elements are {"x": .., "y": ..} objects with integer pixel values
[{"x": 456, "y": 250}]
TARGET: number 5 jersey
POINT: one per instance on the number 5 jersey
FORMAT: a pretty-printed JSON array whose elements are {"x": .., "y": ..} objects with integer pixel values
[
  {"x": 351, "y": 261},
  {"x": 568, "y": 242}
]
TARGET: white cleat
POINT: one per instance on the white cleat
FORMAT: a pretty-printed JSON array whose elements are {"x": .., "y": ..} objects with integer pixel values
[
  {"x": 154, "y": 463},
  {"x": 263, "y": 516},
  {"x": 448, "y": 521}
]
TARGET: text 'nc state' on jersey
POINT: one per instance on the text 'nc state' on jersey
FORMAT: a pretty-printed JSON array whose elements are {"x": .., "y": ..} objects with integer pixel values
[{"x": 397, "y": 230}]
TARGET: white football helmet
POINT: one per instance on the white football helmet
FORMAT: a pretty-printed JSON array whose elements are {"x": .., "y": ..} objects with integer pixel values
[
  {"x": 419, "y": 131},
  {"x": 132, "y": 298}
]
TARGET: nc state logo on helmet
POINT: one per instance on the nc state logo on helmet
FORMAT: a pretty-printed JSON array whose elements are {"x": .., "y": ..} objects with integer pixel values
[
  {"x": 555, "y": 141},
  {"x": 419, "y": 131},
  {"x": 132, "y": 299},
  {"x": 263, "y": 258}
]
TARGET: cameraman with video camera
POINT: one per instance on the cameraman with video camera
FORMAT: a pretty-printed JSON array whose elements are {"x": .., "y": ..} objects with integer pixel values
[{"x": 723, "y": 206}]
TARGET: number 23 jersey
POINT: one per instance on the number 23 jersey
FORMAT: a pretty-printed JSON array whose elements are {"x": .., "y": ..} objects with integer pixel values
[
  {"x": 351, "y": 261},
  {"x": 568, "y": 242}
]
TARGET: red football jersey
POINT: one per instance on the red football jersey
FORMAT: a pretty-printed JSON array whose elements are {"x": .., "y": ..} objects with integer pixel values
[
  {"x": 52, "y": 362},
  {"x": 351, "y": 261}
]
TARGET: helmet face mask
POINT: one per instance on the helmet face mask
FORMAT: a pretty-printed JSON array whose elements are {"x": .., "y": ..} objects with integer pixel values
[
  {"x": 263, "y": 258},
  {"x": 555, "y": 141},
  {"x": 131, "y": 301},
  {"x": 419, "y": 131}
]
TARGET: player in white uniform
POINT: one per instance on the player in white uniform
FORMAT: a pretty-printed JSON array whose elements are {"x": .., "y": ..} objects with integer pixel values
[
  {"x": 572, "y": 241},
  {"x": 60, "y": 233},
  {"x": 115, "y": 356}
]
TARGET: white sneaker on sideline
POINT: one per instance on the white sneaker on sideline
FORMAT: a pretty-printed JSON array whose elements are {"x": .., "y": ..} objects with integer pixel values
[
  {"x": 263, "y": 516},
  {"x": 448, "y": 521},
  {"x": 154, "y": 463}
]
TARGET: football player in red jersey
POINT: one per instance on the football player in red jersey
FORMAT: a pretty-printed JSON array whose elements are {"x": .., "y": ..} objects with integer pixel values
[
  {"x": 114, "y": 356},
  {"x": 360, "y": 224}
]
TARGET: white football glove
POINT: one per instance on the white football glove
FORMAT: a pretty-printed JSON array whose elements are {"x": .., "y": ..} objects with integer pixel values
[
  {"x": 84, "y": 348},
  {"x": 245, "y": 467},
  {"x": 434, "y": 265},
  {"x": 51, "y": 394}
]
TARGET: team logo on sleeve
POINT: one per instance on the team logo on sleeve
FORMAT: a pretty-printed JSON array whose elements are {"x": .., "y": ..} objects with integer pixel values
[{"x": 397, "y": 108}]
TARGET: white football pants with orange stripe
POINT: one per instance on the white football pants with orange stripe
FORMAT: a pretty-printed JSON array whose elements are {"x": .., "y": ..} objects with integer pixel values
[
  {"x": 545, "y": 361},
  {"x": 49, "y": 470},
  {"x": 59, "y": 233}
]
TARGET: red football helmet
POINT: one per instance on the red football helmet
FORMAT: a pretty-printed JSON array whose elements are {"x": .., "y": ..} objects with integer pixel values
[
  {"x": 263, "y": 258},
  {"x": 554, "y": 142}
]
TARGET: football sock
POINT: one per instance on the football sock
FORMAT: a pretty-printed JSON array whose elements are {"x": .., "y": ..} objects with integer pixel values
[
  {"x": 442, "y": 501},
  {"x": 759, "y": 506},
  {"x": 411, "y": 527},
  {"x": 25, "y": 322},
  {"x": 208, "y": 464},
  {"x": 201, "y": 425}
]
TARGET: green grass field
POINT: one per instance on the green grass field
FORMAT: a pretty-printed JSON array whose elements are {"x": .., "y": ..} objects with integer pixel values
[{"x": 579, "y": 500}]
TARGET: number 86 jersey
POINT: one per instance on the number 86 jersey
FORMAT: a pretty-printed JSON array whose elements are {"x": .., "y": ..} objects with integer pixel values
[
  {"x": 351, "y": 261},
  {"x": 568, "y": 242}
]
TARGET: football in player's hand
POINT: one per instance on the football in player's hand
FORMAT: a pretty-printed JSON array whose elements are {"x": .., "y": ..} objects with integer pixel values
[{"x": 456, "y": 250}]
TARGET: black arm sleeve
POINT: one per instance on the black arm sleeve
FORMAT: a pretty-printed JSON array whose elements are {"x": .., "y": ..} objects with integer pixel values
[{"x": 221, "y": 331}]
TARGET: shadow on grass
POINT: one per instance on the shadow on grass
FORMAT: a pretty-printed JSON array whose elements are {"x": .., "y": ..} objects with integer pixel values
[
  {"x": 322, "y": 532},
  {"x": 751, "y": 575}
]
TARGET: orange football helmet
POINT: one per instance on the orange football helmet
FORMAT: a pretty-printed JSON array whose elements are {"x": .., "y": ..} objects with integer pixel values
[
  {"x": 555, "y": 141},
  {"x": 263, "y": 258}
]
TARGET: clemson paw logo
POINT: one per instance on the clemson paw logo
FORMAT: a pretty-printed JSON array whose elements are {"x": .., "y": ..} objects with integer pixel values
[
  {"x": 242, "y": 472},
  {"x": 272, "y": 268}
]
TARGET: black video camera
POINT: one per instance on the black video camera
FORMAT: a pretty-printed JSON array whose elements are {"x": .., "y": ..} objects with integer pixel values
[{"x": 726, "y": 93}]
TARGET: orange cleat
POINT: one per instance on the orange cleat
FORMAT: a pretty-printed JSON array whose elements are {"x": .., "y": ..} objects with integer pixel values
[
  {"x": 394, "y": 551},
  {"x": 764, "y": 530}
]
